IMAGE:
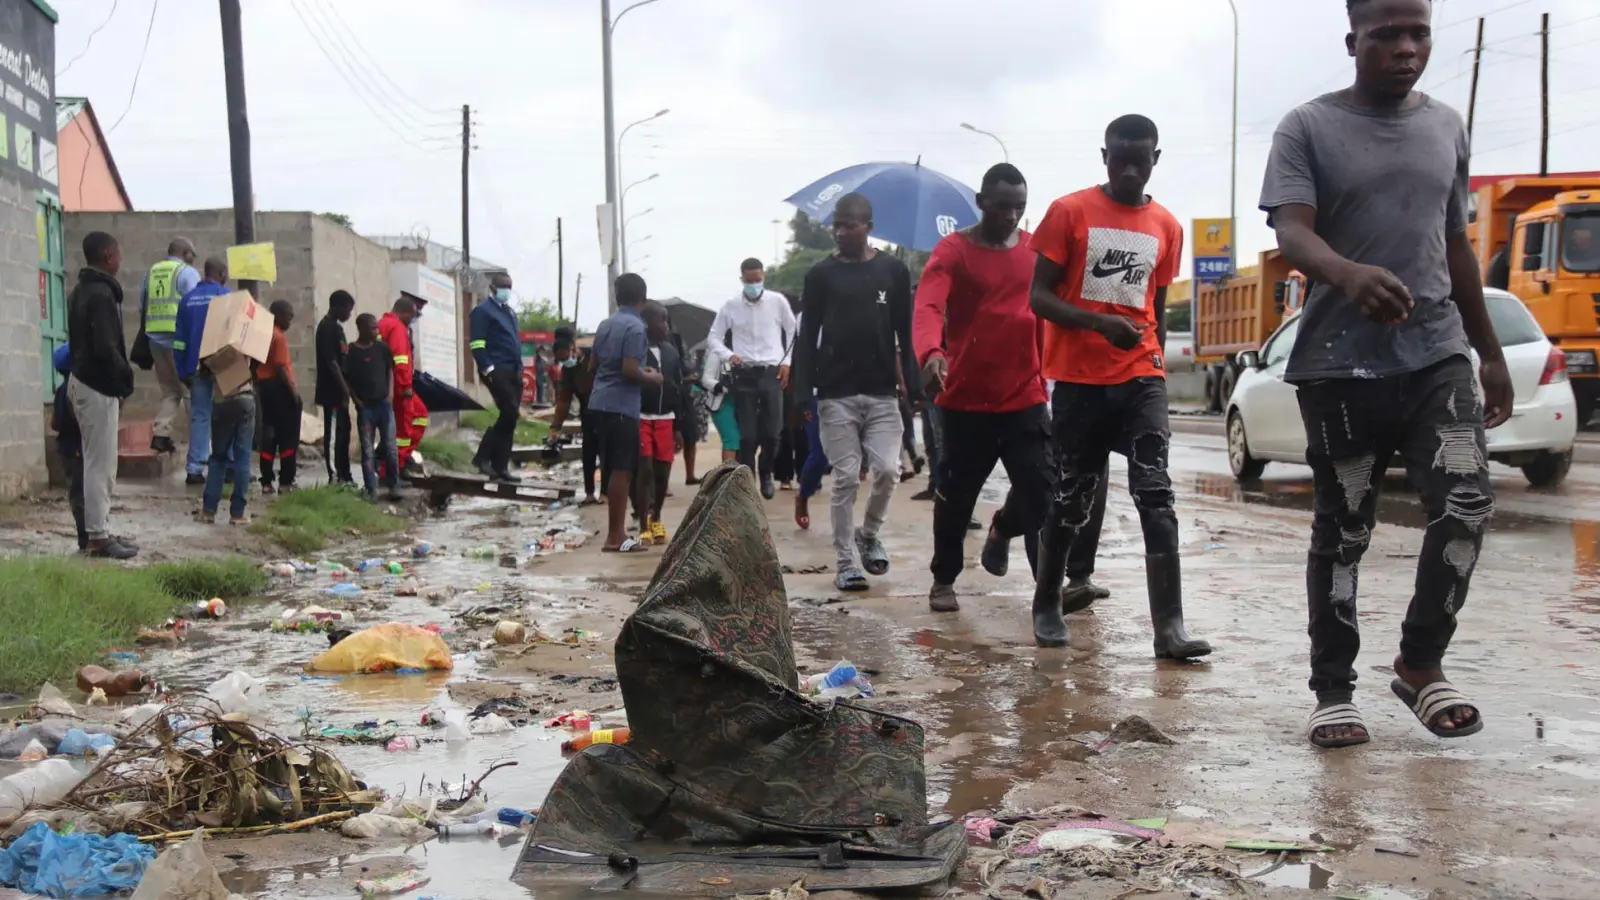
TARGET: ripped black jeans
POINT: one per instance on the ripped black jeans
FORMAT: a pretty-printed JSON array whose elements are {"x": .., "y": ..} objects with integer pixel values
[
  {"x": 1093, "y": 421},
  {"x": 1354, "y": 427}
]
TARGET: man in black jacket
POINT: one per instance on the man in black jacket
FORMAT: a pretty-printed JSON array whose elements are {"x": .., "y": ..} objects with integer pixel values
[{"x": 101, "y": 380}]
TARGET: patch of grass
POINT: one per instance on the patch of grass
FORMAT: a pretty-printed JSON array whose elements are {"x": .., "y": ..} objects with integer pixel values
[
  {"x": 454, "y": 455},
  {"x": 62, "y": 612},
  {"x": 202, "y": 579},
  {"x": 529, "y": 431},
  {"x": 306, "y": 520}
]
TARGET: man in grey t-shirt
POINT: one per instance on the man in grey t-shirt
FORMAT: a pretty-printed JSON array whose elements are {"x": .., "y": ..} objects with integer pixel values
[{"x": 1367, "y": 190}]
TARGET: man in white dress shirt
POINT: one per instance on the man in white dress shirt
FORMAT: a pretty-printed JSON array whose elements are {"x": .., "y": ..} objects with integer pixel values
[{"x": 756, "y": 330}]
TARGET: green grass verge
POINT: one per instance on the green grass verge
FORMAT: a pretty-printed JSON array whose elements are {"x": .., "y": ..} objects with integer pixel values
[
  {"x": 62, "y": 612},
  {"x": 306, "y": 520},
  {"x": 453, "y": 455},
  {"x": 529, "y": 431}
]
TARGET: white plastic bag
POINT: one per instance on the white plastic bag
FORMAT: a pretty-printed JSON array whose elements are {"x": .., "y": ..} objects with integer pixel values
[
  {"x": 40, "y": 785},
  {"x": 237, "y": 693},
  {"x": 455, "y": 727},
  {"x": 372, "y": 826},
  {"x": 52, "y": 702},
  {"x": 182, "y": 873},
  {"x": 491, "y": 724}
]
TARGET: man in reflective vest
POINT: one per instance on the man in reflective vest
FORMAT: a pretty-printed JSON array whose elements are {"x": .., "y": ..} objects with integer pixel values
[
  {"x": 410, "y": 415},
  {"x": 164, "y": 288}
]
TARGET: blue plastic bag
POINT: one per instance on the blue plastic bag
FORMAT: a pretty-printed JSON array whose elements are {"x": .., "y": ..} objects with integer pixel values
[
  {"x": 73, "y": 865},
  {"x": 77, "y": 742}
]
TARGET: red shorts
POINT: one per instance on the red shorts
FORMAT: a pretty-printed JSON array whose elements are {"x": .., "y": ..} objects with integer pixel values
[{"x": 655, "y": 439}]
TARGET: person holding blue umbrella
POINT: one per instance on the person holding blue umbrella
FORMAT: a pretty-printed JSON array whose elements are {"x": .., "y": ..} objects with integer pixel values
[{"x": 858, "y": 302}]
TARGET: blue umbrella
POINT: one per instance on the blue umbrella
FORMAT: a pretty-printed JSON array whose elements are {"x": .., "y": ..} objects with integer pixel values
[{"x": 912, "y": 205}]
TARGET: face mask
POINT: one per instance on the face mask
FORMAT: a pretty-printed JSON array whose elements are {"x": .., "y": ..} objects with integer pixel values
[
  {"x": 754, "y": 291},
  {"x": 569, "y": 363},
  {"x": 503, "y": 294}
]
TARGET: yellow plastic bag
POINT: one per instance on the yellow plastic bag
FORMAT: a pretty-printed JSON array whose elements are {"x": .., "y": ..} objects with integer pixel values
[{"x": 383, "y": 648}]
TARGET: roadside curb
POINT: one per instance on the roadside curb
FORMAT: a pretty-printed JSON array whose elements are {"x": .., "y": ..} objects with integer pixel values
[{"x": 1587, "y": 450}]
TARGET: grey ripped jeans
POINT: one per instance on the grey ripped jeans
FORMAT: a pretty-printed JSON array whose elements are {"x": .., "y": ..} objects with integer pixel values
[
  {"x": 850, "y": 428},
  {"x": 1432, "y": 419}
]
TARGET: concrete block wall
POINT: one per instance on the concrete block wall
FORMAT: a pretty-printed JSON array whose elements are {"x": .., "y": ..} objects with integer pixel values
[
  {"x": 22, "y": 433},
  {"x": 346, "y": 261}
]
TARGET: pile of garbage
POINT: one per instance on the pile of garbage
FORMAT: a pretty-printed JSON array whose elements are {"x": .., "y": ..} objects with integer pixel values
[{"x": 1031, "y": 854}]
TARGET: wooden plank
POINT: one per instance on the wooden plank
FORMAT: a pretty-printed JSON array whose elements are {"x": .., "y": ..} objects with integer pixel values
[
  {"x": 535, "y": 456},
  {"x": 441, "y": 486}
]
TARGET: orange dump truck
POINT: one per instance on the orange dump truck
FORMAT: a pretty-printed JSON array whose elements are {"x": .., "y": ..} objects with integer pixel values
[
  {"x": 1539, "y": 238},
  {"x": 1238, "y": 315}
]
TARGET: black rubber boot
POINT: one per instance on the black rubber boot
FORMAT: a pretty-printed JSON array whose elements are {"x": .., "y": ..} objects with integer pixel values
[
  {"x": 1164, "y": 575},
  {"x": 1049, "y": 625}
]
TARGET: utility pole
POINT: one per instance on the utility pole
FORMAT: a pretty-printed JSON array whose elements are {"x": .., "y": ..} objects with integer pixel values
[
  {"x": 1544, "y": 95},
  {"x": 1472, "y": 99},
  {"x": 466, "y": 220},
  {"x": 577, "y": 297},
  {"x": 244, "y": 197},
  {"x": 613, "y": 270},
  {"x": 561, "y": 270}
]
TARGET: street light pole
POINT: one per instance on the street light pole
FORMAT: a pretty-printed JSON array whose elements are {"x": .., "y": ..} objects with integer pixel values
[
  {"x": 639, "y": 214},
  {"x": 622, "y": 217},
  {"x": 622, "y": 204},
  {"x": 607, "y": 26},
  {"x": 1003, "y": 151},
  {"x": 1233, "y": 179}
]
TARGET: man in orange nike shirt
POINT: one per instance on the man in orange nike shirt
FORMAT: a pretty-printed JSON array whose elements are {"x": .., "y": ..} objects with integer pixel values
[{"x": 1106, "y": 256}]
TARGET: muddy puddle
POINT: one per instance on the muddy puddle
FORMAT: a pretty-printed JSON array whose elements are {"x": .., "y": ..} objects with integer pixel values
[{"x": 1509, "y": 813}]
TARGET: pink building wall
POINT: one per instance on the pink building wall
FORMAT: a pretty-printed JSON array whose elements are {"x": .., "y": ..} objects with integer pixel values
[{"x": 87, "y": 181}]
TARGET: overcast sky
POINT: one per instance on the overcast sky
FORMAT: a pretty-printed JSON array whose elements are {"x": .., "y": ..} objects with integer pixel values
[{"x": 355, "y": 107}]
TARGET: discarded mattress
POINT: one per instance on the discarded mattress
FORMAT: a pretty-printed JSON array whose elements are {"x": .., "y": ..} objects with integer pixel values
[{"x": 736, "y": 782}]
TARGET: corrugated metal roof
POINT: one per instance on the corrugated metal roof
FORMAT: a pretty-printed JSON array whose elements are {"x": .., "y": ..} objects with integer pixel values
[{"x": 67, "y": 109}]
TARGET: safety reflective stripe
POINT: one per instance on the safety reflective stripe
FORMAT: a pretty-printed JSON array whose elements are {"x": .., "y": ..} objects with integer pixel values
[
  {"x": 403, "y": 442},
  {"x": 420, "y": 422},
  {"x": 179, "y": 345},
  {"x": 477, "y": 345},
  {"x": 161, "y": 315},
  {"x": 402, "y": 359}
]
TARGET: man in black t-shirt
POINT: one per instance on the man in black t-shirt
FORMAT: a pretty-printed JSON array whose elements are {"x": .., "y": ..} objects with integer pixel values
[
  {"x": 369, "y": 377},
  {"x": 333, "y": 394},
  {"x": 858, "y": 301}
]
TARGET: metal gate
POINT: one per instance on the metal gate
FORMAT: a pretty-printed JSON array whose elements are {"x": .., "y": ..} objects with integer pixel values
[{"x": 52, "y": 288}]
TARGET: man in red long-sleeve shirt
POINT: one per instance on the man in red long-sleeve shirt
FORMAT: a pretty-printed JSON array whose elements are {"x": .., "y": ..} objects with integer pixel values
[
  {"x": 410, "y": 415},
  {"x": 979, "y": 343}
]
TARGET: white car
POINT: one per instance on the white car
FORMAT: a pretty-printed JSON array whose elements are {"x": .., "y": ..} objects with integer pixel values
[{"x": 1264, "y": 415}]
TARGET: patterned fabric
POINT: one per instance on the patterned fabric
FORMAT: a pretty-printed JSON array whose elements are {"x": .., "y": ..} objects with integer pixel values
[{"x": 725, "y": 751}]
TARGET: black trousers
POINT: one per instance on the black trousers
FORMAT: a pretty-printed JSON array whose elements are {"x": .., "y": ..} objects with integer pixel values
[
  {"x": 758, "y": 408},
  {"x": 505, "y": 386},
  {"x": 793, "y": 445},
  {"x": 1085, "y": 547},
  {"x": 74, "y": 466},
  {"x": 1354, "y": 427},
  {"x": 933, "y": 441},
  {"x": 975, "y": 443},
  {"x": 908, "y": 437},
  {"x": 1091, "y": 422},
  {"x": 336, "y": 442},
  {"x": 591, "y": 450},
  {"x": 280, "y": 434}
]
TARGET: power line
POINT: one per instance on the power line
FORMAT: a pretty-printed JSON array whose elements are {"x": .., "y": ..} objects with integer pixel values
[
  {"x": 334, "y": 10},
  {"x": 86, "y": 44},
  {"x": 134, "y": 87},
  {"x": 360, "y": 71},
  {"x": 360, "y": 95}
]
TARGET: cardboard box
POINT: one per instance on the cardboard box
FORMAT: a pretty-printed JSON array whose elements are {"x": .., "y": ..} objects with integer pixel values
[{"x": 238, "y": 330}]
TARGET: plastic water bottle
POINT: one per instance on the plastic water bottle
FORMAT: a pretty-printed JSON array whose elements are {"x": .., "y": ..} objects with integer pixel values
[
  {"x": 376, "y": 562},
  {"x": 842, "y": 673},
  {"x": 510, "y": 815},
  {"x": 474, "y": 829},
  {"x": 487, "y": 551}
]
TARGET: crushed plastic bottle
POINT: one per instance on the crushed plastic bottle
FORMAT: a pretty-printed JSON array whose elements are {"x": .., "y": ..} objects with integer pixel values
[
  {"x": 347, "y": 589},
  {"x": 475, "y": 829},
  {"x": 396, "y": 568},
  {"x": 841, "y": 681},
  {"x": 508, "y": 815},
  {"x": 375, "y": 562},
  {"x": 487, "y": 551}
]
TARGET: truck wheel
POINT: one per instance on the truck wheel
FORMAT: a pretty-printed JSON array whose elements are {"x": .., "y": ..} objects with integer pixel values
[
  {"x": 1585, "y": 400},
  {"x": 1245, "y": 467},
  {"x": 1212, "y": 405},
  {"x": 1548, "y": 469},
  {"x": 1230, "y": 380}
]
